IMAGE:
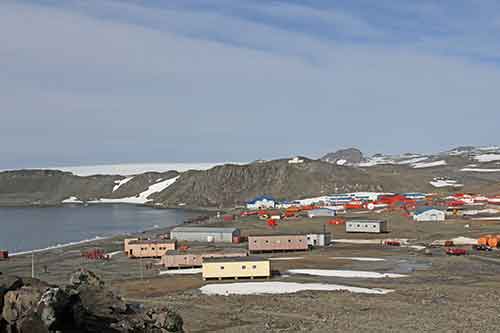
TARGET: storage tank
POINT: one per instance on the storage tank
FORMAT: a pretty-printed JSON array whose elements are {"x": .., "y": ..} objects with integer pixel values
[
  {"x": 482, "y": 241},
  {"x": 493, "y": 242},
  {"x": 210, "y": 239}
]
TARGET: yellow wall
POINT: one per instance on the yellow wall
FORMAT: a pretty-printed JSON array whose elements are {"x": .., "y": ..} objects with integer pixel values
[{"x": 233, "y": 269}]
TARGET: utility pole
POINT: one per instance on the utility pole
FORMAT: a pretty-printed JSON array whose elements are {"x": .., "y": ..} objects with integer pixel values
[
  {"x": 33, "y": 264},
  {"x": 142, "y": 272}
]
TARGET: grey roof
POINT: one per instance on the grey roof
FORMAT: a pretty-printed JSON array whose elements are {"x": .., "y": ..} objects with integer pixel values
[
  {"x": 204, "y": 229},
  {"x": 367, "y": 221},
  {"x": 235, "y": 259},
  {"x": 152, "y": 241},
  {"x": 205, "y": 251}
]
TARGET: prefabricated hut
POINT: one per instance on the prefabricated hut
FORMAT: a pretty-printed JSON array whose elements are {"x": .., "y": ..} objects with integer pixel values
[
  {"x": 235, "y": 268},
  {"x": 261, "y": 202},
  {"x": 429, "y": 214},
  {"x": 206, "y": 234},
  {"x": 319, "y": 239},
  {"x": 194, "y": 258},
  {"x": 367, "y": 226},
  {"x": 321, "y": 212},
  {"x": 147, "y": 248},
  {"x": 277, "y": 242}
]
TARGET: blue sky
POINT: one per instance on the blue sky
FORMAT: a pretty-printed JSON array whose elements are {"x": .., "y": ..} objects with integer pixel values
[{"x": 86, "y": 82}]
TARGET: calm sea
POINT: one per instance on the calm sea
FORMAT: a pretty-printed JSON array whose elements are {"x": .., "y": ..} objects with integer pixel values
[{"x": 25, "y": 229}]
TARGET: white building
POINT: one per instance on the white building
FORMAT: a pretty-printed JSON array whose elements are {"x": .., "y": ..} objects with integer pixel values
[
  {"x": 429, "y": 214},
  {"x": 320, "y": 239},
  {"x": 320, "y": 212},
  {"x": 370, "y": 226},
  {"x": 261, "y": 202}
]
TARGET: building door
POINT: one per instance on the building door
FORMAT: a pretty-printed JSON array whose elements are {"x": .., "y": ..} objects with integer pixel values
[{"x": 315, "y": 241}]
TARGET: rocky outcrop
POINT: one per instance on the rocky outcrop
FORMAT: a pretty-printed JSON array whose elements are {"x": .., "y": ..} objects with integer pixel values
[
  {"x": 349, "y": 156},
  {"x": 86, "y": 305}
]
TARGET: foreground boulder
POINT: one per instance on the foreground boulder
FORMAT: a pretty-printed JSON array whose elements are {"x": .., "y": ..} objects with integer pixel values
[{"x": 86, "y": 305}]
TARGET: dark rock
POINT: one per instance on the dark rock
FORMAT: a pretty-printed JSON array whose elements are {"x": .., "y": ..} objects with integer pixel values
[
  {"x": 83, "y": 277},
  {"x": 166, "y": 319},
  {"x": 19, "y": 302},
  {"x": 54, "y": 309},
  {"x": 8, "y": 283}
]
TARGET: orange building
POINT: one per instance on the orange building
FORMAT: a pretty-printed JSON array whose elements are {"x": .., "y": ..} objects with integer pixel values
[{"x": 194, "y": 258}]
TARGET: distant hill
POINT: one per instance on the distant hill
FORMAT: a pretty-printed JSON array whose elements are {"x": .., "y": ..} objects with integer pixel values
[{"x": 459, "y": 169}]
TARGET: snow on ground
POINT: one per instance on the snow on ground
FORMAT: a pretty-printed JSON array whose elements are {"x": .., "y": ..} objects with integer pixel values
[
  {"x": 379, "y": 160},
  {"x": 341, "y": 162},
  {"x": 72, "y": 200},
  {"x": 252, "y": 288},
  {"x": 286, "y": 258},
  {"x": 345, "y": 273},
  {"x": 445, "y": 183},
  {"x": 181, "y": 271},
  {"x": 121, "y": 182},
  {"x": 457, "y": 241},
  {"x": 112, "y": 254},
  {"x": 358, "y": 258},
  {"x": 428, "y": 164},
  {"x": 479, "y": 170},
  {"x": 142, "y": 197},
  {"x": 369, "y": 241},
  {"x": 487, "y": 157},
  {"x": 413, "y": 160},
  {"x": 135, "y": 168},
  {"x": 58, "y": 246}
]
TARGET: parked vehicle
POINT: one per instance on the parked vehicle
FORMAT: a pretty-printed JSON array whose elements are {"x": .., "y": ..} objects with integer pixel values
[
  {"x": 453, "y": 251},
  {"x": 482, "y": 247}
]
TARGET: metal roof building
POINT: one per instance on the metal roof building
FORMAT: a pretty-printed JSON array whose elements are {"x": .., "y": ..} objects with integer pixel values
[
  {"x": 429, "y": 214},
  {"x": 369, "y": 226},
  {"x": 205, "y": 234}
]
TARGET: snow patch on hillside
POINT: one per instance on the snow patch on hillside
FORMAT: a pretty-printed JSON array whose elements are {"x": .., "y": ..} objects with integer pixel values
[
  {"x": 72, "y": 199},
  {"x": 479, "y": 170},
  {"x": 413, "y": 160},
  {"x": 445, "y": 183},
  {"x": 119, "y": 183},
  {"x": 142, "y": 197},
  {"x": 429, "y": 164},
  {"x": 487, "y": 158}
]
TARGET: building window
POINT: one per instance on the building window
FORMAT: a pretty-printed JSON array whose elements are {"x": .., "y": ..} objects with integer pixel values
[
  {"x": 289, "y": 241},
  {"x": 254, "y": 267},
  {"x": 243, "y": 267},
  {"x": 267, "y": 241},
  {"x": 222, "y": 267}
]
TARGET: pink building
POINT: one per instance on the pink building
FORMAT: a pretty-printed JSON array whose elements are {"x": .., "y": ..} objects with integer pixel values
[
  {"x": 277, "y": 242},
  {"x": 147, "y": 248},
  {"x": 194, "y": 258}
]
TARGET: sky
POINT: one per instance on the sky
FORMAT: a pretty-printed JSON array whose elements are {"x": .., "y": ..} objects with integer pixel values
[{"x": 101, "y": 81}]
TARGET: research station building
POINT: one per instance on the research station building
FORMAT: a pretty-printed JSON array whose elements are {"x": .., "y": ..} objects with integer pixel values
[
  {"x": 429, "y": 214},
  {"x": 277, "y": 242},
  {"x": 366, "y": 226},
  {"x": 319, "y": 239},
  {"x": 147, "y": 248},
  {"x": 236, "y": 268},
  {"x": 194, "y": 258},
  {"x": 206, "y": 234}
]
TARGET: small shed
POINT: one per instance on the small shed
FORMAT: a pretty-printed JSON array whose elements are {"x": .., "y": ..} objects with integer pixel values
[
  {"x": 235, "y": 268},
  {"x": 277, "y": 242},
  {"x": 261, "y": 202},
  {"x": 317, "y": 212},
  {"x": 319, "y": 239},
  {"x": 366, "y": 226},
  {"x": 4, "y": 254},
  {"x": 429, "y": 214},
  {"x": 205, "y": 234}
]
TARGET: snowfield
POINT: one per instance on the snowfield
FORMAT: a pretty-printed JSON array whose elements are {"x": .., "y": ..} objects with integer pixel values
[
  {"x": 72, "y": 200},
  {"x": 252, "y": 288},
  {"x": 487, "y": 158},
  {"x": 413, "y": 160},
  {"x": 119, "y": 183},
  {"x": 445, "y": 183},
  {"x": 429, "y": 164},
  {"x": 181, "y": 271},
  {"x": 345, "y": 273},
  {"x": 479, "y": 170},
  {"x": 142, "y": 197},
  {"x": 135, "y": 168}
]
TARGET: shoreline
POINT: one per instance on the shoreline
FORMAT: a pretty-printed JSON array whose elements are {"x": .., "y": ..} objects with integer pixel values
[{"x": 118, "y": 235}]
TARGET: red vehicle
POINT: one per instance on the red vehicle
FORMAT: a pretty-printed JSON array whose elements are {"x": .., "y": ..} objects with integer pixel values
[
  {"x": 95, "y": 254},
  {"x": 453, "y": 251},
  {"x": 392, "y": 243}
]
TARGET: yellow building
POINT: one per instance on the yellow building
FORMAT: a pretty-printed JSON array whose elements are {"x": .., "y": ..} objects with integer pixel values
[{"x": 235, "y": 268}]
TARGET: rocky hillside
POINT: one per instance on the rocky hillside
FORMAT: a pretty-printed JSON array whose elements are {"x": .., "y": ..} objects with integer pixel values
[
  {"x": 460, "y": 169},
  {"x": 85, "y": 305}
]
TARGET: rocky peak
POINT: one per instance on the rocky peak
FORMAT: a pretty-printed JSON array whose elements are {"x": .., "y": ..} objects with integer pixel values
[{"x": 349, "y": 156}]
